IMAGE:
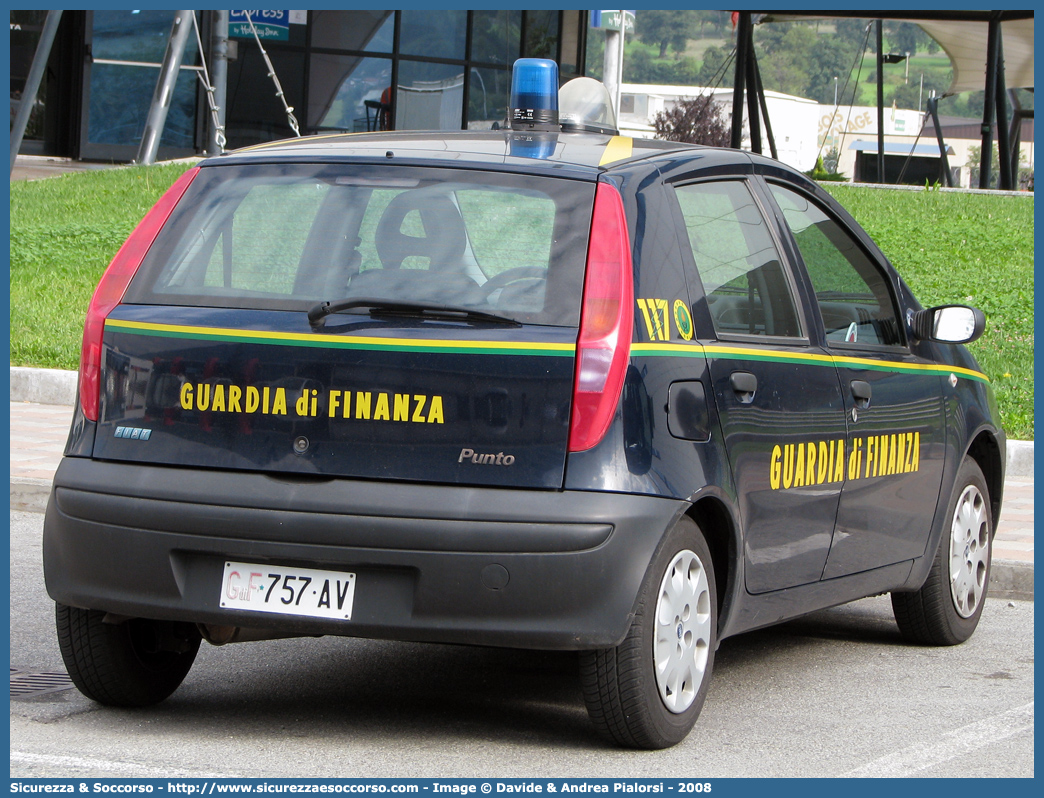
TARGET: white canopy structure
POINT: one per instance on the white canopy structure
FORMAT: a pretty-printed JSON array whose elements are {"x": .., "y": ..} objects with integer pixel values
[
  {"x": 991, "y": 51},
  {"x": 966, "y": 42}
]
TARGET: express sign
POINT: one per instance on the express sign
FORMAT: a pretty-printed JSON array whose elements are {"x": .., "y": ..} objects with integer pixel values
[{"x": 269, "y": 24}]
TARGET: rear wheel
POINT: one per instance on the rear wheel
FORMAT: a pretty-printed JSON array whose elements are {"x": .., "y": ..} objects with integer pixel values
[
  {"x": 135, "y": 663},
  {"x": 946, "y": 610},
  {"x": 648, "y": 691}
]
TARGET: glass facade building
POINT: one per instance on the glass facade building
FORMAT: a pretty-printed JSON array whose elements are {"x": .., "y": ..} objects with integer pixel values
[{"x": 340, "y": 71}]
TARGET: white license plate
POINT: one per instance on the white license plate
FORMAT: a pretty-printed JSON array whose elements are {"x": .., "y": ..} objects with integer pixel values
[{"x": 288, "y": 591}]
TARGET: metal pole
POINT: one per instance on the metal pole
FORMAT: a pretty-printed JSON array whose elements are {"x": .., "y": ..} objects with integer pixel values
[
  {"x": 880, "y": 105},
  {"x": 611, "y": 67},
  {"x": 1015, "y": 135},
  {"x": 741, "y": 70},
  {"x": 1006, "y": 181},
  {"x": 168, "y": 77},
  {"x": 990, "y": 103},
  {"x": 944, "y": 162},
  {"x": 619, "y": 67},
  {"x": 753, "y": 114},
  {"x": 32, "y": 82},
  {"x": 218, "y": 76},
  {"x": 764, "y": 106}
]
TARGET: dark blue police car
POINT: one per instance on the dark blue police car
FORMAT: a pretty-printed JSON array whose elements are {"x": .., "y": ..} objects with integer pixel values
[{"x": 544, "y": 387}]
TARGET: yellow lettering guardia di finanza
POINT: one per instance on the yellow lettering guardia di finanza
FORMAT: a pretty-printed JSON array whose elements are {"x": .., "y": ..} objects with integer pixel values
[
  {"x": 796, "y": 465},
  {"x": 358, "y": 405}
]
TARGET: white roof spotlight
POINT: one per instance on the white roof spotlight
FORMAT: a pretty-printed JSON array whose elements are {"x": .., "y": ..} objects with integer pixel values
[{"x": 584, "y": 105}]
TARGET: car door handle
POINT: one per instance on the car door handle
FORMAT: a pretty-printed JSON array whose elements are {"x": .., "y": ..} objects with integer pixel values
[
  {"x": 745, "y": 385},
  {"x": 861, "y": 393}
]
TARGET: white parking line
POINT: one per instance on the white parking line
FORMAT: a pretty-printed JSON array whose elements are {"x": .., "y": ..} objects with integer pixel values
[
  {"x": 127, "y": 770},
  {"x": 951, "y": 745}
]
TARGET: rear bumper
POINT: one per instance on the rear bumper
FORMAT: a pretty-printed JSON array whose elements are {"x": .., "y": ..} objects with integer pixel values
[{"x": 431, "y": 561}]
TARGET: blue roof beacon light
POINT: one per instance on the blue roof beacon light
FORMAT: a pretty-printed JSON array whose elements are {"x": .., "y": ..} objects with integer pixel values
[{"x": 534, "y": 95}]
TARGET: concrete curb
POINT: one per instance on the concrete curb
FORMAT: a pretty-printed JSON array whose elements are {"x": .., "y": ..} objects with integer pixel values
[
  {"x": 43, "y": 386},
  {"x": 1011, "y": 579},
  {"x": 1020, "y": 459},
  {"x": 30, "y": 495},
  {"x": 54, "y": 387}
]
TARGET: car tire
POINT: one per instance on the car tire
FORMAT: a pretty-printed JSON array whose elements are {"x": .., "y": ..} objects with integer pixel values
[
  {"x": 946, "y": 610},
  {"x": 135, "y": 663},
  {"x": 648, "y": 691}
]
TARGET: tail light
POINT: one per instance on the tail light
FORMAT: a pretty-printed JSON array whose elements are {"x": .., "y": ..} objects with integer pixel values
[
  {"x": 114, "y": 284},
  {"x": 606, "y": 318}
]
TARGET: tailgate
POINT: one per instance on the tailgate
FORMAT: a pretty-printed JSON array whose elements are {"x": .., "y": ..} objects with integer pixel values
[{"x": 450, "y": 357}]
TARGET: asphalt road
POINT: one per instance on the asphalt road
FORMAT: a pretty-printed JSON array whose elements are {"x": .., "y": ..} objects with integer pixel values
[{"x": 837, "y": 693}]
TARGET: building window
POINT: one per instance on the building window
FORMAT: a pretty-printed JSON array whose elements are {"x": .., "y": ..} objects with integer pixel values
[
  {"x": 541, "y": 34},
  {"x": 339, "y": 71},
  {"x": 372, "y": 31},
  {"x": 350, "y": 93},
  {"x": 127, "y": 48},
  {"x": 429, "y": 96},
  {"x": 496, "y": 37},
  {"x": 433, "y": 34}
]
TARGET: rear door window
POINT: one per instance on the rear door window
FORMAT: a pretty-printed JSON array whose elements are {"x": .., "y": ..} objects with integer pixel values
[{"x": 288, "y": 236}]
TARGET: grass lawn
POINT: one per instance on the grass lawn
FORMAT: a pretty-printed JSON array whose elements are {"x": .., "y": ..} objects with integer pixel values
[
  {"x": 965, "y": 248},
  {"x": 64, "y": 232},
  {"x": 974, "y": 249}
]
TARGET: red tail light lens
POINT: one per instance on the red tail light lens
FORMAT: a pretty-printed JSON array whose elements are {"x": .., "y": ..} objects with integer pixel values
[
  {"x": 604, "y": 346},
  {"x": 114, "y": 284}
]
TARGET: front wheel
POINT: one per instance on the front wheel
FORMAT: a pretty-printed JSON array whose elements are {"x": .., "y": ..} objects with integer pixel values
[
  {"x": 135, "y": 663},
  {"x": 946, "y": 610},
  {"x": 648, "y": 691}
]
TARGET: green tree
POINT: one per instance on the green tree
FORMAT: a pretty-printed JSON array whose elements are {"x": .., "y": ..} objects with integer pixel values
[
  {"x": 831, "y": 57},
  {"x": 642, "y": 66},
  {"x": 974, "y": 164},
  {"x": 715, "y": 20},
  {"x": 710, "y": 71},
  {"x": 786, "y": 61},
  {"x": 904, "y": 37},
  {"x": 852, "y": 31},
  {"x": 768, "y": 38},
  {"x": 672, "y": 28},
  {"x": 911, "y": 95}
]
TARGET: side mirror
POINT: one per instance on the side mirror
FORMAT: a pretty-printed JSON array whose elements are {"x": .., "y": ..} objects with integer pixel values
[{"x": 948, "y": 324}]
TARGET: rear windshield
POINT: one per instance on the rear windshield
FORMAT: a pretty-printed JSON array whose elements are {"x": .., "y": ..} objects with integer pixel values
[{"x": 286, "y": 236}]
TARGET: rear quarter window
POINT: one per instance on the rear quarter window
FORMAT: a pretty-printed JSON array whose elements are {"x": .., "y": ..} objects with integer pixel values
[{"x": 747, "y": 290}]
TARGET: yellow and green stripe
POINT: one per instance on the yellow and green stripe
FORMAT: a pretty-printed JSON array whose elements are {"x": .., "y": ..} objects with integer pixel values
[
  {"x": 321, "y": 341},
  {"x": 531, "y": 348},
  {"x": 723, "y": 352}
]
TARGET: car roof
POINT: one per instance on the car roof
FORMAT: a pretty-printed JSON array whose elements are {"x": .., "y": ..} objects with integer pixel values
[{"x": 589, "y": 153}]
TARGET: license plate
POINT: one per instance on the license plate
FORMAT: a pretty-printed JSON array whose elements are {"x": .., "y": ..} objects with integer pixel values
[{"x": 288, "y": 591}]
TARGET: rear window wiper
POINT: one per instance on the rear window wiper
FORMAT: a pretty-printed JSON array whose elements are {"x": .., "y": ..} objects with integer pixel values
[{"x": 385, "y": 307}]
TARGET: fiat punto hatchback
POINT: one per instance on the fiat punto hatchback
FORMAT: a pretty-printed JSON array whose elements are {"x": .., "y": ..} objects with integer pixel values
[{"x": 544, "y": 387}]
